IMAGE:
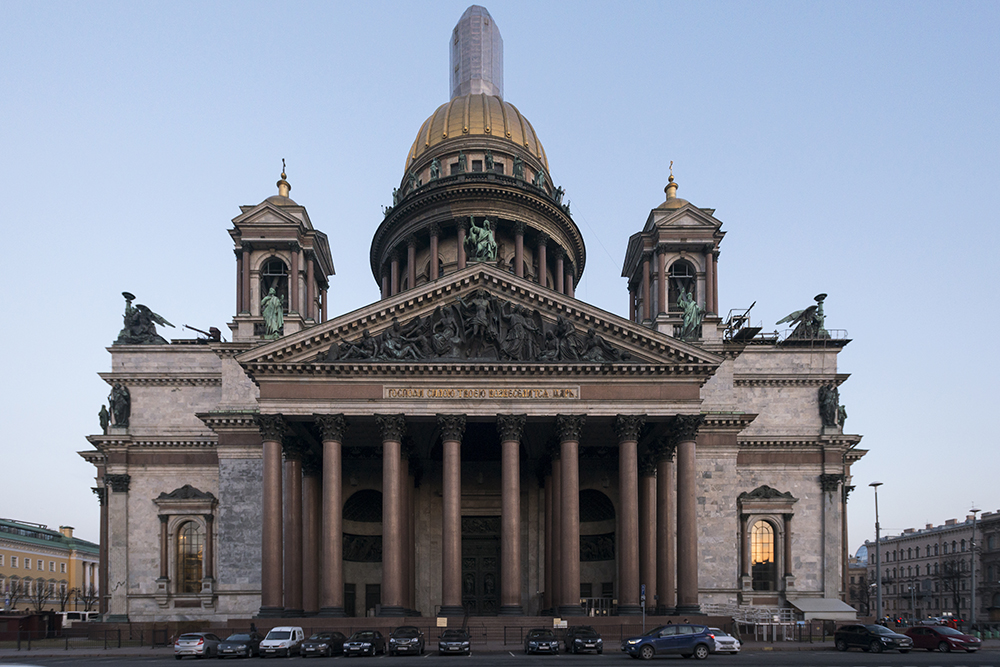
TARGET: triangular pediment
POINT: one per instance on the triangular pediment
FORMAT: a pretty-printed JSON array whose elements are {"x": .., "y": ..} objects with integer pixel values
[
  {"x": 516, "y": 321},
  {"x": 687, "y": 216},
  {"x": 266, "y": 213}
]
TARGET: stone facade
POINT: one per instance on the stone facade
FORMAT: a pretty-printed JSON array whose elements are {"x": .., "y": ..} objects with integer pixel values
[{"x": 478, "y": 438}]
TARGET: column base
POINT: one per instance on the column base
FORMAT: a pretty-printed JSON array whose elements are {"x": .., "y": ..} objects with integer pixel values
[
  {"x": 571, "y": 610},
  {"x": 452, "y": 610},
  {"x": 511, "y": 610},
  {"x": 629, "y": 610},
  {"x": 689, "y": 610},
  {"x": 332, "y": 612},
  {"x": 397, "y": 611},
  {"x": 294, "y": 613},
  {"x": 665, "y": 611},
  {"x": 271, "y": 612}
]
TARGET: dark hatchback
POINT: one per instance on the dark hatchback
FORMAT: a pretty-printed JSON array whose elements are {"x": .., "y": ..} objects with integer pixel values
[
  {"x": 541, "y": 640},
  {"x": 683, "y": 639},
  {"x": 581, "y": 638},
  {"x": 365, "y": 642},
  {"x": 406, "y": 639},
  {"x": 874, "y": 638},
  {"x": 240, "y": 645},
  {"x": 455, "y": 641},
  {"x": 942, "y": 638},
  {"x": 323, "y": 643}
]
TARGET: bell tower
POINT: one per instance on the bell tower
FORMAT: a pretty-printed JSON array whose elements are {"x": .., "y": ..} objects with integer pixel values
[
  {"x": 674, "y": 262},
  {"x": 281, "y": 256}
]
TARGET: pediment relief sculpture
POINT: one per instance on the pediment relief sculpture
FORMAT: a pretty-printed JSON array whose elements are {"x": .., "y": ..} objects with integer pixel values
[
  {"x": 765, "y": 492},
  {"x": 480, "y": 327}
]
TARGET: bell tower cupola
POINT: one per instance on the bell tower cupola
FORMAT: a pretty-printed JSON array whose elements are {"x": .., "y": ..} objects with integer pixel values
[
  {"x": 672, "y": 267},
  {"x": 283, "y": 266}
]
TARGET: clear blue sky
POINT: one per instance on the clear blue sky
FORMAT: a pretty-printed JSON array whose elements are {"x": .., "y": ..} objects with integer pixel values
[{"x": 849, "y": 147}]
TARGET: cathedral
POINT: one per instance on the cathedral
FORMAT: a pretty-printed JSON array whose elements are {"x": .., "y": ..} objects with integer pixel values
[{"x": 477, "y": 441}]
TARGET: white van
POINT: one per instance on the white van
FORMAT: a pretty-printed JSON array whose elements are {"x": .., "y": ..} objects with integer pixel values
[
  {"x": 69, "y": 618},
  {"x": 282, "y": 641}
]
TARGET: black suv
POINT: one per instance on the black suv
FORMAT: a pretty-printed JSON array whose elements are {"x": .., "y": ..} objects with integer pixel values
[
  {"x": 874, "y": 638},
  {"x": 580, "y": 638}
]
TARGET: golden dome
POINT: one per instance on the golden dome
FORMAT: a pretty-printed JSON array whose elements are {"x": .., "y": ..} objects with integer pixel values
[{"x": 477, "y": 114}]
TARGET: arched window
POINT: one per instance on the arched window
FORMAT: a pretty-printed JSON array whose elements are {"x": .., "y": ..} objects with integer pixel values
[
  {"x": 274, "y": 274},
  {"x": 681, "y": 277},
  {"x": 909, "y": 554},
  {"x": 597, "y": 543},
  {"x": 963, "y": 545},
  {"x": 763, "y": 568},
  {"x": 935, "y": 550},
  {"x": 991, "y": 542},
  {"x": 190, "y": 548},
  {"x": 954, "y": 546}
]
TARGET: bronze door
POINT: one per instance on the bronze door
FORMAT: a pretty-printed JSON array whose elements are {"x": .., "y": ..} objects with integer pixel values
[{"x": 481, "y": 565}]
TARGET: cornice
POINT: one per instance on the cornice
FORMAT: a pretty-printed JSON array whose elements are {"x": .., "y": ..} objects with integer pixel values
[
  {"x": 165, "y": 379},
  {"x": 788, "y": 379},
  {"x": 104, "y": 443},
  {"x": 93, "y": 457},
  {"x": 726, "y": 421},
  {"x": 764, "y": 442},
  {"x": 243, "y": 420},
  {"x": 400, "y": 371}
]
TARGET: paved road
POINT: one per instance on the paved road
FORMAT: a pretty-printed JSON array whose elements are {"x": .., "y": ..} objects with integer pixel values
[{"x": 514, "y": 658}]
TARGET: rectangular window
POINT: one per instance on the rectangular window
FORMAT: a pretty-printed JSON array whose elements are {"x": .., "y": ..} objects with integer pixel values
[
  {"x": 62, "y": 568},
  {"x": 13, "y": 561},
  {"x": 498, "y": 167},
  {"x": 1, "y": 559},
  {"x": 52, "y": 566},
  {"x": 454, "y": 169},
  {"x": 41, "y": 565},
  {"x": 586, "y": 590},
  {"x": 27, "y": 563},
  {"x": 608, "y": 589},
  {"x": 477, "y": 165}
]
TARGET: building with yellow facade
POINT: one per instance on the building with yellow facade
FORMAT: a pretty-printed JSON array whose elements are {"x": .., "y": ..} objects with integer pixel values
[{"x": 44, "y": 569}]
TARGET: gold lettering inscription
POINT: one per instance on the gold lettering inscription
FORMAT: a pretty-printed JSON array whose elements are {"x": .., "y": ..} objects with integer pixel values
[{"x": 483, "y": 393}]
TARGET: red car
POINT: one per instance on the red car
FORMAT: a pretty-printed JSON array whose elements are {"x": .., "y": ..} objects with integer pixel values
[{"x": 942, "y": 638}]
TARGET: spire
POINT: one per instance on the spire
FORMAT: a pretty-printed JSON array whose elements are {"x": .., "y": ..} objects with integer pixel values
[
  {"x": 283, "y": 186},
  {"x": 671, "y": 188},
  {"x": 476, "y": 54}
]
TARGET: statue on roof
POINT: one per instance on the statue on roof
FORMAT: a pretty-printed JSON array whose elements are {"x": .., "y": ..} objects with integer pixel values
[
  {"x": 105, "y": 418},
  {"x": 518, "y": 169},
  {"x": 490, "y": 165},
  {"x": 479, "y": 243},
  {"x": 435, "y": 169},
  {"x": 693, "y": 315},
  {"x": 120, "y": 401},
  {"x": 140, "y": 325},
  {"x": 808, "y": 321},
  {"x": 272, "y": 309}
]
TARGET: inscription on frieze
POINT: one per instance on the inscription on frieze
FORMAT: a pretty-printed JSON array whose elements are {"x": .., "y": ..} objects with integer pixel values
[{"x": 431, "y": 393}]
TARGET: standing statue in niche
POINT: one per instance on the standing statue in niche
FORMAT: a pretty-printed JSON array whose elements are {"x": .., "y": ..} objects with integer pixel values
[
  {"x": 557, "y": 195},
  {"x": 272, "y": 309},
  {"x": 395, "y": 197},
  {"x": 105, "y": 418},
  {"x": 829, "y": 405},
  {"x": 518, "y": 169},
  {"x": 435, "y": 168},
  {"x": 809, "y": 321},
  {"x": 462, "y": 163},
  {"x": 120, "y": 401},
  {"x": 490, "y": 165},
  {"x": 539, "y": 180},
  {"x": 140, "y": 325},
  {"x": 693, "y": 315},
  {"x": 479, "y": 243}
]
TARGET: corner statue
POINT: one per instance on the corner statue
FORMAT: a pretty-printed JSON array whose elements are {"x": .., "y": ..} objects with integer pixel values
[
  {"x": 480, "y": 244},
  {"x": 272, "y": 309},
  {"x": 809, "y": 322},
  {"x": 140, "y": 325}
]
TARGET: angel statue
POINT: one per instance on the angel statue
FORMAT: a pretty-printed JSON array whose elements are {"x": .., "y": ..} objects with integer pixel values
[
  {"x": 140, "y": 325},
  {"x": 272, "y": 308},
  {"x": 480, "y": 244},
  {"x": 808, "y": 322}
]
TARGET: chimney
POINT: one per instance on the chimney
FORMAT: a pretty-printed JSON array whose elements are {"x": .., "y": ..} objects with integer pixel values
[{"x": 67, "y": 531}]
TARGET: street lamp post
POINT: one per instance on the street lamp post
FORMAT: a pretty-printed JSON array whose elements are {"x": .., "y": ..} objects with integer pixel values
[
  {"x": 972, "y": 617},
  {"x": 878, "y": 557}
]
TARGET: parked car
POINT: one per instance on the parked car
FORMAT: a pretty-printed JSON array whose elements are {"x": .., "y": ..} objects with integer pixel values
[
  {"x": 323, "y": 643},
  {"x": 581, "y": 638},
  {"x": 874, "y": 638},
  {"x": 942, "y": 638},
  {"x": 283, "y": 640},
  {"x": 240, "y": 645},
  {"x": 541, "y": 640},
  {"x": 687, "y": 640},
  {"x": 198, "y": 644},
  {"x": 406, "y": 639},
  {"x": 724, "y": 642},
  {"x": 365, "y": 642},
  {"x": 454, "y": 641}
]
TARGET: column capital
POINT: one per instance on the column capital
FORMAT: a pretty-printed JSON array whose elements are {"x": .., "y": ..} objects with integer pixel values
[
  {"x": 272, "y": 427},
  {"x": 411, "y": 241},
  {"x": 462, "y": 223},
  {"x": 392, "y": 427},
  {"x": 312, "y": 465},
  {"x": 647, "y": 464},
  {"x": 293, "y": 448},
  {"x": 393, "y": 255},
  {"x": 664, "y": 449},
  {"x": 569, "y": 427},
  {"x": 434, "y": 229},
  {"x": 452, "y": 426},
  {"x": 628, "y": 426},
  {"x": 685, "y": 427},
  {"x": 661, "y": 249},
  {"x": 519, "y": 228},
  {"x": 118, "y": 483},
  {"x": 163, "y": 518},
  {"x": 510, "y": 427},
  {"x": 830, "y": 482},
  {"x": 542, "y": 238},
  {"x": 100, "y": 492},
  {"x": 332, "y": 427}
]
